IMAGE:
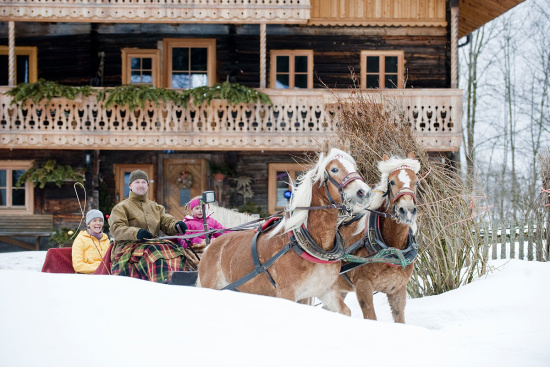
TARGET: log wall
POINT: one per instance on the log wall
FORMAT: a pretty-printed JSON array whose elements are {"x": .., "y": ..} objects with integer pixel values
[
  {"x": 63, "y": 204},
  {"x": 73, "y": 60}
]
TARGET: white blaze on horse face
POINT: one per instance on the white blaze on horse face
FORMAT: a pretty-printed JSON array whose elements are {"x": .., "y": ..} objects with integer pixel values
[
  {"x": 349, "y": 166},
  {"x": 404, "y": 178}
]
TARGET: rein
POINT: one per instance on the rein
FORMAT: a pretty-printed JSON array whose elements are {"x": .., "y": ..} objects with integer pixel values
[
  {"x": 378, "y": 250},
  {"x": 300, "y": 239}
]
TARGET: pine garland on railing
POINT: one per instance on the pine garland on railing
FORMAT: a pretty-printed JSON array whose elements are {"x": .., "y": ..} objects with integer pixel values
[
  {"x": 47, "y": 90},
  {"x": 233, "y": 93},
  {"x": 134, "y": 96}
]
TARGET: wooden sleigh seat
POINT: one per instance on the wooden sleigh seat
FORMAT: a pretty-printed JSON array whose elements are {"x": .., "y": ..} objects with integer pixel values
[{"x": 59, "y": 260}]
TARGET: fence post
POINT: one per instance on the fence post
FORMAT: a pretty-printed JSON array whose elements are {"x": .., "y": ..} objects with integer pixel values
[
  {"x": 521, "y": 240},
  {"x": 494, "y": 237},
  {"x": 539, "y": 238},
  {"x": 531, "y": 238},
  {"x": 503, "y": 240}
]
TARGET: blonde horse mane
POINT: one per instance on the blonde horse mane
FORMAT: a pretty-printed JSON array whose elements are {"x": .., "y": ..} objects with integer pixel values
[
  {"x": 302, "y": 191},
  {"x": 386, "y": 168}
]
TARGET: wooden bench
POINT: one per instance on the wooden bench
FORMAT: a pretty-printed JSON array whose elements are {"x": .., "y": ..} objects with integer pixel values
[{"x": 39, "y": 225}]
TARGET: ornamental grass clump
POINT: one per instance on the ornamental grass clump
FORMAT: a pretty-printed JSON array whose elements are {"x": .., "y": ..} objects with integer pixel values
[{"x": 450, "y": 252}]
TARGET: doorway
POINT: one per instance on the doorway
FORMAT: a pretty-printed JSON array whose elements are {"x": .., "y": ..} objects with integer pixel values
[{"x": 183, "y": 179}]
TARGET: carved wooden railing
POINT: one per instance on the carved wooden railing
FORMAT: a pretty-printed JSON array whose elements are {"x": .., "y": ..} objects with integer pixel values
[
  {"x": 157, "y": 11},
  {"x": 297, "y": 120}
]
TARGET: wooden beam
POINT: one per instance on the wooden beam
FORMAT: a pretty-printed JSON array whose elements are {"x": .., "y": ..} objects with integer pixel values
[{"x": 19, "y": 243}]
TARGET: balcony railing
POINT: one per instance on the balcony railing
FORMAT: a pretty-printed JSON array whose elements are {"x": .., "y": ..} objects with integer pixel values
[
  {"x": 297, "y": 120},
  {"x": 157, "y": 11}
]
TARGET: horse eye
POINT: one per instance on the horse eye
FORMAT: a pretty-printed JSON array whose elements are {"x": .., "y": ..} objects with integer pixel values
[
  {"x": 334, "y": 170},
  {"x": 392, "y": 182}
]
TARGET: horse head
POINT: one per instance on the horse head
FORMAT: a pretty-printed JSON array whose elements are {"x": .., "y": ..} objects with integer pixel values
[
  {"x": 333, "y": 180},
  {"x": 337, "y": 171},
  {"x": 398, "y": 186}
]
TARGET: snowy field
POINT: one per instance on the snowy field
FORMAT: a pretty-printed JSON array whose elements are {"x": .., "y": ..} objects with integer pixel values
[{"x": 85, "y": 320}]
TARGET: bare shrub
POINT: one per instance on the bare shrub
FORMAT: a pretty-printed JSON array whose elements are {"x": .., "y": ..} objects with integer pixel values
[{"x": 451, "y": 253}]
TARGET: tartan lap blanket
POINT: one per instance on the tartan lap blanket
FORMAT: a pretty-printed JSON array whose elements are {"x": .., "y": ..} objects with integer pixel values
[{"x": 151, "y": 260}]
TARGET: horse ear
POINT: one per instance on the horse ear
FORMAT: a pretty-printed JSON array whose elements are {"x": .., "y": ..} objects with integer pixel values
[
  {"x": 385, "y": 157},
  {"x": 326, "y": 147},
  {"x": 346, "y": 146},
  {"x": 411, "y": 155}
]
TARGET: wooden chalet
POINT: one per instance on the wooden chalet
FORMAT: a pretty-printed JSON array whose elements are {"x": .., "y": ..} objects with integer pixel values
[{"x": 292, "y": 50}]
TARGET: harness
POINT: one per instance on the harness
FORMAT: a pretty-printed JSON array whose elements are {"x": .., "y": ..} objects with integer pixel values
[
  {"x": 378, "y": 251},
  {"x": 300, "y": 239}
]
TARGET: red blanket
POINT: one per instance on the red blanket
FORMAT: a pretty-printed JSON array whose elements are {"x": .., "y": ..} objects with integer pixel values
[
  {"x": 105, "y": 266},
  {"x": 59, "y": 260}
]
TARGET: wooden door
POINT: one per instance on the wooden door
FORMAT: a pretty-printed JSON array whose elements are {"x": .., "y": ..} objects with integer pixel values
[{"x": 177, "y": 195}]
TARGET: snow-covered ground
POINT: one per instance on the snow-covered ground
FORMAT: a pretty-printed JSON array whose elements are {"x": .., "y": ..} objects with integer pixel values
[{"x": 91, "y": 320}]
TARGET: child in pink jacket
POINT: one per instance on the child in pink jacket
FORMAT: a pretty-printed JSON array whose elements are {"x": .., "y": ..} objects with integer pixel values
[{"x": 195, "y": 224}]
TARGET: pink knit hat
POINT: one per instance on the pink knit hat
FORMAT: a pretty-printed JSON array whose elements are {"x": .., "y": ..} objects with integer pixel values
[{"x": 193, "y": 203}]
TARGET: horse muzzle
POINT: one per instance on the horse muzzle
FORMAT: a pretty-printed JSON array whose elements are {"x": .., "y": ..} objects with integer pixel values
[{"x": 406, "y": 212}]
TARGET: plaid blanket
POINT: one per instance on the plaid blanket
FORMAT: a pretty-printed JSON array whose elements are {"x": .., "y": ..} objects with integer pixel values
[{"x": 152, "y": 260}]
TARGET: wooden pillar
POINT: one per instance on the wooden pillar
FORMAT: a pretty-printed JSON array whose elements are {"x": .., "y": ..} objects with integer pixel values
[
  {"x": 263, "y": 55},
  {"x": 11, "y": 54},
  {"x": 454, "y": 43}
]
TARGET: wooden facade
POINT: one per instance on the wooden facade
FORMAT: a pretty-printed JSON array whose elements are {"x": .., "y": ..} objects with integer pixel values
[{"x": 87, "y": 42}]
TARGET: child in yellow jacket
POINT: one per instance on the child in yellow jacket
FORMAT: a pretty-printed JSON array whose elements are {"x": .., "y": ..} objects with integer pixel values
[{"x": 90, "y": 245}]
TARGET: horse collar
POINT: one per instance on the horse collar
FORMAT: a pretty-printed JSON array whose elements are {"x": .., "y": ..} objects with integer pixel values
[
  {"x": 374, "y": 243},
  {"x": 306, "y": 247},
  {"x": 377, "y": 248}
]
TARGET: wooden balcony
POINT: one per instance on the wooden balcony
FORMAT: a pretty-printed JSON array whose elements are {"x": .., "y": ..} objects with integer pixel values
[
  {"x": 297, "y": 120},
  {"x": 157, "y": 11}
]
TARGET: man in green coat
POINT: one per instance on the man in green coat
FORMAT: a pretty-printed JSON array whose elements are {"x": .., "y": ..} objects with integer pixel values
[{"x": 134, "y": 223}]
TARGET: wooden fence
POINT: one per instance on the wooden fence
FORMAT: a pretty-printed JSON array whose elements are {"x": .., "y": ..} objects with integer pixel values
[{"x": 509, "y": 241}]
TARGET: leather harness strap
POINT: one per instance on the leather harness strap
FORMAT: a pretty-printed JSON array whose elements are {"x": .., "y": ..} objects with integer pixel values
[
  {"x": 258, "y": 267},
  {"x": 377, "y": 249}
]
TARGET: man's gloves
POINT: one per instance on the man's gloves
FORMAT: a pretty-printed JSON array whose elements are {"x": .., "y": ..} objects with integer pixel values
[
  {"x": 144, "y": 234},
  {"x": 181, "y": 227}
]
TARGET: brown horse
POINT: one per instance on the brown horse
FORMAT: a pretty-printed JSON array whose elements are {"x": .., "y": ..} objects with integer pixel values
[
  {"x": 300, "y": 257},
  {"x": 396, "y": 196}
]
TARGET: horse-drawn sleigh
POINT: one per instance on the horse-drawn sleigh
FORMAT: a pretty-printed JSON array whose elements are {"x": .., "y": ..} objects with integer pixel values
[{"x": 325, "y": 243}]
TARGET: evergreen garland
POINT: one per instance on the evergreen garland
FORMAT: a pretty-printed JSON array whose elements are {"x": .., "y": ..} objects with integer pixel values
[
  {"x": 47, "y": 90},
  {"x": 49, "y": 172},
  {"x": 133, "y": 95},
  {"x": 233, "y": 93}
]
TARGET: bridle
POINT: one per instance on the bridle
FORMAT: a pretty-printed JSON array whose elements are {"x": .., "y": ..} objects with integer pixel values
[
  {"x": 350, "y": 177},
  {"x": 401, "y": 192}
]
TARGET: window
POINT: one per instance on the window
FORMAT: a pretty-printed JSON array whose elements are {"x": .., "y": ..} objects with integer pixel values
[
  {"x": 15, "y": 200},
  {"x": 279, "y": 184},
  {"x": 25, "y": 65},
  {"x": 189, "y": 63},
  {"x": 291, "y": 69},
  {"x": 122, "y": 175},
  {"x": 382, "y": 69},
  {"x": 141, "y": 67}
]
